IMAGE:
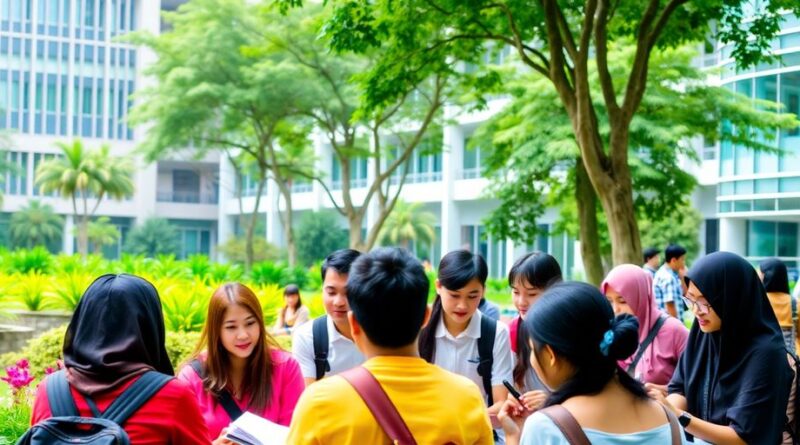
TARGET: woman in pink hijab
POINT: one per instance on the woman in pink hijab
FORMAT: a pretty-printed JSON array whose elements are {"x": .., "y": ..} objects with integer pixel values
[{"x": 662, "y": 339}]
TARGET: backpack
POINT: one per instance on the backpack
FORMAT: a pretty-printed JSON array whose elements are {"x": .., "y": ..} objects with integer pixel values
[
  {"x": 224, "y": 397},
  {"x": 319, "y": 332},
  {"x": 486, "y": 355},
  {"x": 67, "y": 426}
]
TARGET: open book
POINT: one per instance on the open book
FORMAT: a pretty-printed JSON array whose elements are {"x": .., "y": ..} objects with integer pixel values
[{"x": 250, "y": 429}]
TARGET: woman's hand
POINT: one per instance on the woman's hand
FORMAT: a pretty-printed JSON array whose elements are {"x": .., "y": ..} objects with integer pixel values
[
  {"x": 660, "y": 396},
  {"x": 512, "y": 416},
  {"x": 653, "y": 387},
  {"x": 533, "y": 400}
]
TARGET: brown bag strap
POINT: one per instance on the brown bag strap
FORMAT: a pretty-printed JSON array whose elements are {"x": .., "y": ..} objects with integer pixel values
[
  {"x": 674, "y": 427},
  {"x": 378, "y": 402},
  {"x": 567, "y": 424}
]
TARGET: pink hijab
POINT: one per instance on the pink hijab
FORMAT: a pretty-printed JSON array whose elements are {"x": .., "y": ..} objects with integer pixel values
[{"x": 636, "y": 287}]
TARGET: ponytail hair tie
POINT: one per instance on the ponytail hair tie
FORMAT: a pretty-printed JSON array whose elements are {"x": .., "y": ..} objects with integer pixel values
[{"x": 605, "y": 344}]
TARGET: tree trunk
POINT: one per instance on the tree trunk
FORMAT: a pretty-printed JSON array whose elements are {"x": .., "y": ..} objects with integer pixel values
[
  {"x": 586, "y": 200},
  {"x": 286, "y": 220},
  {"x": 251, "y": 228},
  {"x": 83, "y": 230},
  {"x": 354, "y": 222},
  {"x": 617, "y": 201}
]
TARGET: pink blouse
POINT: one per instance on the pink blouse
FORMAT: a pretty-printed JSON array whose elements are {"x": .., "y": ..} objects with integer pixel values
[
  {"x": 660, "y": 359},
  {"x": 287, "y": 385}
]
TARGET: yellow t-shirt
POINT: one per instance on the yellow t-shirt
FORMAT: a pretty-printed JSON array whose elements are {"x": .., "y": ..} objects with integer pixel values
[{"x": 438, "y": 406}]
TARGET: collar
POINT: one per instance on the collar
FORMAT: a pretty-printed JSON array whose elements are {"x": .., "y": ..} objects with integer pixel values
[
  {"x": 334, "y": 334},
  {"x": 473, "y": 328}
]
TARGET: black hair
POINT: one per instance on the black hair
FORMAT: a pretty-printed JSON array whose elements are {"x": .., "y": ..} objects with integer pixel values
[
  {"x": 291, "y": 289},
  {"x": 673, "y": 251},
  {"x": 577, "y": 322},
  {"x": 456, "y": 270},
  {"x": 541, "y": 271},
  {"x": 650, "y": 252},
  {"x": 388, "y": 293},
  {"x": 339, "y": 261}
]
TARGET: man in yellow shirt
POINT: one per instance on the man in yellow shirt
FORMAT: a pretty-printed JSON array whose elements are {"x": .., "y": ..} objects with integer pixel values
[{"x": 387, "y": 291}]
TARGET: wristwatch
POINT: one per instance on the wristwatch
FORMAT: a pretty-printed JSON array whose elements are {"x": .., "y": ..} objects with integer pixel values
[{"x": 684, "y": 419}]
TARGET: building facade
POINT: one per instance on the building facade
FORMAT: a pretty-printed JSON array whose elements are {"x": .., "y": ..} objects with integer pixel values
[{"x": 64, "y": 74}]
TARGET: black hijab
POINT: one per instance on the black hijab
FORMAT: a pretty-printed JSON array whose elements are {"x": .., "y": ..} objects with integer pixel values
[
  {"x": 738, "y": 376},
  {"x": 776, "y": 277},
  {"x": 116, "y": 332}
]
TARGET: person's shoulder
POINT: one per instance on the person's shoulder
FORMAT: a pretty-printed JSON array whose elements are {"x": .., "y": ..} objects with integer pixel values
[
  {"x": 540, "y": 429},
  {"x": 455, "y": 384},
  {"x": 280, "y": 357},
  {"x": 331, "y": 390}
]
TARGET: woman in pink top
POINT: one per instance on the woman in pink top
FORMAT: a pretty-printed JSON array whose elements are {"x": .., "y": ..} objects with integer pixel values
[
  {"x": 237, "y": 356},
  {"x": 629, "y": 289}
]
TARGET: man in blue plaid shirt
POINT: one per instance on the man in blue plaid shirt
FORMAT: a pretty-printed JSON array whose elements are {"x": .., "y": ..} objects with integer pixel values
[{"x": 667, "y": 288}]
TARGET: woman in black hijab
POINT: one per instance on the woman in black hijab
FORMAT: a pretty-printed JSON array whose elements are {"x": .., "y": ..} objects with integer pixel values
[
  {"x": 732, "y": 382},
  {"x": 776, "y": 282},
  {"x": 116, "y": 332}
]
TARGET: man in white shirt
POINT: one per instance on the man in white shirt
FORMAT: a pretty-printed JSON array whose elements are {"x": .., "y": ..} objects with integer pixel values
[{"x": 335, "y": 351}]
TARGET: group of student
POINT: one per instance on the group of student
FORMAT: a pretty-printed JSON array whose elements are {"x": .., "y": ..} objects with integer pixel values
[{"x": 577, "y": 364}]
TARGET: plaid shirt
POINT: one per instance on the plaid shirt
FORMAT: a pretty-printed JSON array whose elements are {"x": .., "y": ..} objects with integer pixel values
[{"x": 667, "y": 288}]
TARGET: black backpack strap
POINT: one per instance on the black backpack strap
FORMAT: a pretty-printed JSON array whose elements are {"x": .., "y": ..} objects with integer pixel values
[
  {"x": 320, "y": 334},
  {"x": 135, "y": 396},
  {"x": 486, "y": 355},
  {"x": 224, "y": 397},
  {"x": 59, "y": 397},
  {"x": 646, "y": 343}
]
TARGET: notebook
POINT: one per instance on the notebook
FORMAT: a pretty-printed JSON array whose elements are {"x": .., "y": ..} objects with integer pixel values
[{"x": 250, "y": 429}]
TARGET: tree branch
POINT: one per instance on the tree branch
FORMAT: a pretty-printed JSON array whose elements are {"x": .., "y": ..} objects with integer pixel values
[{"x": 601, "y": 49}]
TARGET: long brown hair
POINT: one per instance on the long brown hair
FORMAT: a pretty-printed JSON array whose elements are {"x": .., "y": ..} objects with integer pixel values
[
  {"x": 291, "y": 289},
  {"x": 258, "y": 371}
]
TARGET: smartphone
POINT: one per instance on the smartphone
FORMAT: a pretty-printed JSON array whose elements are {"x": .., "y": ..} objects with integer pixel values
[{"x": 512, "y": 390}]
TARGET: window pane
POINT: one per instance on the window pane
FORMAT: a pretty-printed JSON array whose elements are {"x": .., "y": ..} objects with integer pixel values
[
  {"x": 787, "y": 239},
  {"x": 790, "y": 139},
  {"x": 761, "y": 238},
  {"x": 766, "y": 186}
]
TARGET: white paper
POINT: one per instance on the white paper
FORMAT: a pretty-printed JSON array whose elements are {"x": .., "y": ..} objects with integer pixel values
[{"x": 250, "y": 429}]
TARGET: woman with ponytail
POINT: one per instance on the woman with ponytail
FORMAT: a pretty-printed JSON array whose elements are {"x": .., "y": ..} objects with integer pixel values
[
  {"x": 576, "y": 342},
  {"x": 452, "y": 337}
]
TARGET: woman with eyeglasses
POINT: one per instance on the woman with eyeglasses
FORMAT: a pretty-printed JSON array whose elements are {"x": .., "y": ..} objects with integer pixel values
[
  {"x": 662, "y": 339},
  {"x": 732, "y": 382}
]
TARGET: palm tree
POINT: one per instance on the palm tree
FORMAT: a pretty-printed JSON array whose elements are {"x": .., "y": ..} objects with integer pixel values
[
  {"x": 407, "y": 224},
  {"x": 35, "y": 225},
  {"x": 102, "y": 233},
  {"x": 86, "y": 174}
]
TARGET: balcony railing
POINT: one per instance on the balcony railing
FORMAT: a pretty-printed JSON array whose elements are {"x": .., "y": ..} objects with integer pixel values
[
  {"x": 418, "y": 178},
  {"x": 188, "y": 197}
]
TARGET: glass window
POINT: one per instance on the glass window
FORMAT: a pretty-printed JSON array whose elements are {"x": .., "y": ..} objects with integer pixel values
[
  {"x": 743, "y": 187},
  {"x": 789, "y": 204},
  {"x": 767, "y": 185},
  {"x": 712, "y": 235},
  {"x": 790, "y": 40},
  {"x": 790, "y": 139},
  {"x": 743, "y": 206},
  {"x": 726, "y": 159},
  {"x": 763, "y": 205},
  {"x": 787, "y": 239},
  {"x": 761, "y": 238},
  {"x": 789, "y": 185}
]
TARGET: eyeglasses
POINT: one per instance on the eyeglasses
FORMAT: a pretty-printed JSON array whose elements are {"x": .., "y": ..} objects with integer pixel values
[{"x": 692, "y": 304}]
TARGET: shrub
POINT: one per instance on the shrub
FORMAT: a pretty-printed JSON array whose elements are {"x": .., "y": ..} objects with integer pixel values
[
  {"x": 223, "y": 273},
  {"x": 234, "y": 250},
  {"x": 278, "y": 273},
  {"x": 314, "y": 274},
  {"x": 156, "y": 236},
  {"x": 184, "y": 303},
  {"x": 68, "y": 290},
  {"x": 37, "y": 259},
  {"x": 180, "y": 346},
  {"x": 317, "y": 235},
  {"x": 32, "y": 291}
]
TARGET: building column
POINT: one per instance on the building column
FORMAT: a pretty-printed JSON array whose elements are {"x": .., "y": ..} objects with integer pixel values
[
  {"x": 322, "y": 165},
  {"x": 733, "y": 235},
  {"x": 452, "y": 151},
  {"x": 227, "y": 194},
  {"x": 68, "y": 240},
  {"x": 270, "y": 205}
]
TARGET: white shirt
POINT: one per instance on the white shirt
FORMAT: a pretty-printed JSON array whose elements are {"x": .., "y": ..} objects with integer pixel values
[
  {"x": 342, "y": 352},
  {"x": 460, "y": 354}
]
